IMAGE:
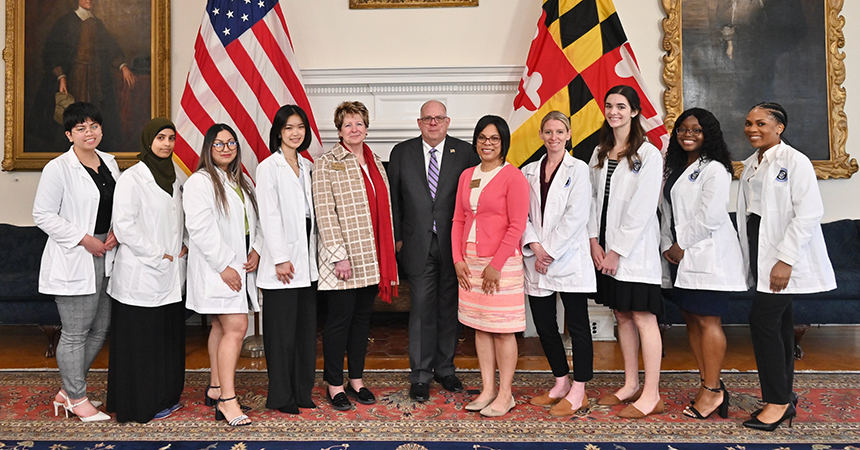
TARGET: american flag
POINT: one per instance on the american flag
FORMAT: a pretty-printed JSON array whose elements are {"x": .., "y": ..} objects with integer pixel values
[{"x": 244, "y": 69}]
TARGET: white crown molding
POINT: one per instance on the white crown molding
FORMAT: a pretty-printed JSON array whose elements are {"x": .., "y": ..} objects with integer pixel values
[
  {"x": 394, "y": 94},
  {"x": 411, "y": 79}
]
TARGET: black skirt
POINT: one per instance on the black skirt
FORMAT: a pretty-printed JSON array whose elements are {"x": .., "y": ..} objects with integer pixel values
[
  {"x": 697, "y": 301},
  {"x": 625, "y": 296},
  {"x": 146, "y": 371}
]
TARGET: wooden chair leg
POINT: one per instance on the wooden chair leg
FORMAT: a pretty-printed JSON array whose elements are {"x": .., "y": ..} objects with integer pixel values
[
  {"x": 52, "y": 332},
  {"x": 799, "y": 330}
]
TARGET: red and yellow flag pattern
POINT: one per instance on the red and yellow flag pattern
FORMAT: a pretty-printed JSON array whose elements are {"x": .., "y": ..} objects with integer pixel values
[{"x": 579, "y": 52}]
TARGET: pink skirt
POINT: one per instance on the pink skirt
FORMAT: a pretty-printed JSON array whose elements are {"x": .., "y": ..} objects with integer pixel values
[{"x": 502, "y": 312}]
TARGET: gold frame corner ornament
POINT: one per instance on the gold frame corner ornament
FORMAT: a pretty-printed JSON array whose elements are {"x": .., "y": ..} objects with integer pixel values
[
  {"x": 13, "y": 141},
  {"x": 840, "y": 164},
  {"x": 384, "y": 4}
]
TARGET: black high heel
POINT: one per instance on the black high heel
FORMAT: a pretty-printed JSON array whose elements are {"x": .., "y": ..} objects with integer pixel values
[
  {"x": 722, "y": 409},
  {"x": 792, "y": 398},
  {"x": 234, "y": 422},
  {"x": 756, "y": 424},
  {"x": 209, "y": 401}
]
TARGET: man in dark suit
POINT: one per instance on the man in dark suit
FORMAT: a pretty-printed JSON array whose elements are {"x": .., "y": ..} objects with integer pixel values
[{"x": 423, "y": 173}]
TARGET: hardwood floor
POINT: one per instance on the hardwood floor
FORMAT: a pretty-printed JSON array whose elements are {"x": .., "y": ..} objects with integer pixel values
[{"x": 826, "y": 348}]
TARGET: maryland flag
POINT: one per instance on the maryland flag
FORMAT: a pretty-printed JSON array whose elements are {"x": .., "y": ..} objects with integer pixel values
[{"x": 579, "y": 52}]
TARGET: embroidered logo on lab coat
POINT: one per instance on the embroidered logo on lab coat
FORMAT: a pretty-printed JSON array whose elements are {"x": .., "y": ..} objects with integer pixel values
[
  {"x": 695, "y": 175},
  {"x": 567, "y": 183},
  {"x": 782, "y": 176},
  {"x": 637, "y": 166}
]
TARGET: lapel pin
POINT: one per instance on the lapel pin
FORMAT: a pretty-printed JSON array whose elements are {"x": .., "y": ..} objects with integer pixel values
[{"x": 452, "y": 150}]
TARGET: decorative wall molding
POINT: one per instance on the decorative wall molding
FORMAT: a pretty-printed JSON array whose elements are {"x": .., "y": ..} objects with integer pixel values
[{"x": 394, "y": 97}]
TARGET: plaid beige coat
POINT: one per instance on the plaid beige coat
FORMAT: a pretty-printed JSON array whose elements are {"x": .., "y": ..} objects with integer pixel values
[{"x": 343, "y": 218}]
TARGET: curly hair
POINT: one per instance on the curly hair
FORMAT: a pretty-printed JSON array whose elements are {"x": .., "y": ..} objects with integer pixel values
[{"x": 713, "y": 148}]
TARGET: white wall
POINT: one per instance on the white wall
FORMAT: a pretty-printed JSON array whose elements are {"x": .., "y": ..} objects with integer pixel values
[{"x": 327, "y": 35}]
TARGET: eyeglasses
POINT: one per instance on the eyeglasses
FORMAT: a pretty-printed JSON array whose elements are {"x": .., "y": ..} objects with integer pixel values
[
  {"x": 430, "y": 119},
  {"x": 83, "y": 128},
  {"x": 218, "y": 145},
  {"x": 495, "y": 139},
  {"x": 693, "y": 131}
]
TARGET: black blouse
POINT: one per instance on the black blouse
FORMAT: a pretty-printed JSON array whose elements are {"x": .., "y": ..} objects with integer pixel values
[{"x": 106, "y": 184}]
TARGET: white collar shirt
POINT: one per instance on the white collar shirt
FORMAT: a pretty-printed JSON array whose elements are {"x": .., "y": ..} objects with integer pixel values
[
  {"x": 439, "y": 154},
  {"x": 753, "y": 185}
]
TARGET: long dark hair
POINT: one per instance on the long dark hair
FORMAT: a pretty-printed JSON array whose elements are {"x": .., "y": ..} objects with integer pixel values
[
  {"x": 280, "y": 121},
  {"x": 714, "y": 147},
  {"x": 234, "y": 170},
  {"x": 637, "y": 134},
  {"x": 504, "y": 133}
]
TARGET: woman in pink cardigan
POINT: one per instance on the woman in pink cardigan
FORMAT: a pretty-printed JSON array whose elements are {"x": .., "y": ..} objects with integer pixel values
[{"x": 489, "y": 221}]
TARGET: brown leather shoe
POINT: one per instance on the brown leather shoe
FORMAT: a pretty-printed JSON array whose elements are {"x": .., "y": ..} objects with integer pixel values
[
  {"x": 564, "y": 408},
  {"x": 631, "y": 412},
  {"x": 544, "y": 400},
  {"x": 613, "y": 400}
]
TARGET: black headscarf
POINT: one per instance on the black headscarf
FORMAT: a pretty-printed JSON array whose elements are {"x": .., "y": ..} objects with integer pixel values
[{"x": 161, "y": 168}]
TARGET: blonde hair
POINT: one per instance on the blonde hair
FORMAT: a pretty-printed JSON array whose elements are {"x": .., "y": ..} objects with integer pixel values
[{"x": 555, "y": 115}]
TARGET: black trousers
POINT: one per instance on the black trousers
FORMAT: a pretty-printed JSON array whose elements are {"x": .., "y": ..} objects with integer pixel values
[
  {"x": 433, "y": 325},
  {"x": 346, "y": 330},
  {"x": 772, "y": 332},
  {"x": 578, "y": 326},
  {"x": 290, "y": 339}
]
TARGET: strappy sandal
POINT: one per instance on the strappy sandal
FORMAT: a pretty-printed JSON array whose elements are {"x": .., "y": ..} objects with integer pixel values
[
  {"x": 209, "y": 401},
  {"x": 722, "y": 409},
  {"x": 234, "y": 422}
]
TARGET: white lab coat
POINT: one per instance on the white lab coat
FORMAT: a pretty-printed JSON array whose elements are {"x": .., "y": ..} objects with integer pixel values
[
  {"x": 632, "y": 229},
  {"x": 148, "y": 224},
  {"x": 65, "y": 208},
  {"x": 712, "y": 254},
  {"x": 563, "y": 232},
  {"x": 790, "y": 228},
  {"x": 215, "y": 241},
  {"x": 282, "y": 220}
]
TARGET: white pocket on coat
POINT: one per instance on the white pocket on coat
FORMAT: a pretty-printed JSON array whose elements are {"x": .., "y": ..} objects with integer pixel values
[
  {"x": 156, "y": 280},
  {"x": 217, "y": 288},
  {"x": 68, "y": 264},
  {"x": 701, "y": 258},
  {"x": 569, "y": 264}
]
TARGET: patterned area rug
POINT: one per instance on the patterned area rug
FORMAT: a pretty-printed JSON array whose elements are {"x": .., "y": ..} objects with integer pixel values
[{"x": 828, "y": 417}]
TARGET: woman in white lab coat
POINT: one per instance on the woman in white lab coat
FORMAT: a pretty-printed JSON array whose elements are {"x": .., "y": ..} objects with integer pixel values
[
  {"x": 557, "y": 259},
  {"x": 700, "y": 247},
  {"x": 626, "y": 174},
  {"x": 146, "y": 373},
  {"x": 223, "y": 254},
  {"x": 288, "y": 263},
  {"x": 73, "y": 207},
  {"x": 779, "y": 223}
]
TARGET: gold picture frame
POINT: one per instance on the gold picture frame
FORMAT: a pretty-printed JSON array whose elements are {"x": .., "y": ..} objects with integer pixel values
[
  {"x": 151, "y": 72},
  {"x": 381, "y": 4},
  {"x": 839, "y": 164}
]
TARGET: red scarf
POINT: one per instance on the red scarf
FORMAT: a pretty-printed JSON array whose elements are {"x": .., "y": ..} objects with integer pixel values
[{"x": 381, "y": 218}]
